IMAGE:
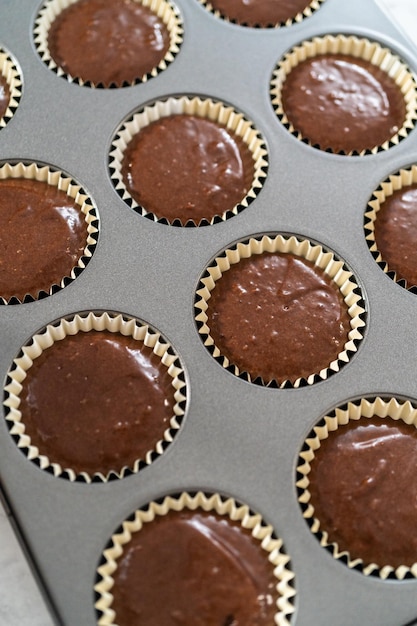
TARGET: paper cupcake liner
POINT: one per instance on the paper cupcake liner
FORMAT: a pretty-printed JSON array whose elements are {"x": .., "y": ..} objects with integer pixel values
[
  {"x": 272, "y": 546},
  {"x": 112, "y": 322},
  {"x": 311, "y": 8},
  {"x": 391, "y": 408},
  {"x": 395, "y": 182},
  {"x": 164, "y": 9},
  {"x": 360, "y": 48},
  {"x": 11, "y": 74},
  {"x": 204, "y": 108},
  {"x": 321, "y": 258},
  {"x": 60, "y": 180}
]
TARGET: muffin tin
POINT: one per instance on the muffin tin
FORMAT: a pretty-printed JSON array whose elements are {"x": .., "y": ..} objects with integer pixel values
[{"x": 237, "y": 438}]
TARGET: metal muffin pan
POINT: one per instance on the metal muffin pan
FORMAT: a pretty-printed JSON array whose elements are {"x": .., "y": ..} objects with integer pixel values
[{"x": 237, "y": 438}]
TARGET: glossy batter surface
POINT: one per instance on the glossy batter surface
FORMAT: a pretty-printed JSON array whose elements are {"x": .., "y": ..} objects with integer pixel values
[
  {"x": 194, "y": 569},
  {"x": 364, "y": 492},
  {"x": 187, "y": 167},
  {"x": 4, "y": 95},
  {"x": 96, "y": 401},
  {"x": 260, "y": 12},
  {"x": 396, "y": 233},
  {"x": 278, "y": 317},
  {"x": 108, "y": 42},
  {"x": 343, "y": 103},
  {"x": 42, "y": 236}
]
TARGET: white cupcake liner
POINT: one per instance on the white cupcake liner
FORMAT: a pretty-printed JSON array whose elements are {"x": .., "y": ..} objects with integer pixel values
[
  {"x": 311, "y": 8},
  {"x": 11, "y": 74},
  {"x": 261, "y": 531},
  {"x": 395, "y": 182},
  {"x": 205, "y": 108},
  {"x": 391, "y": 408},
  {"x": 164, "y": 9},
  {"x": 356, "y": 47},
  {"x": 60, "y": 180},
  {"x": 325, "y": 260},
  {"x": 112, "y": 322}
]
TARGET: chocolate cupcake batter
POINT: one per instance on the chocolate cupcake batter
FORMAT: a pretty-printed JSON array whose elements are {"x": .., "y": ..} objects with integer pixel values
[
  {"x": 43, "y": 234},
  {"x": 343, "y": 103},
  {"x": 4, "y": 96},
  {"x": 108, "y": 43},
  {"x": 364, "y": 492},
  {"x": 396, "y": 233},
  {"x": 96, "y": 402},
  {"x": 278, "y": 317},
  {"x": 262, "y": 13},
  {"x": 188, "y": 168},
  {"x": 194, "y": 569}
]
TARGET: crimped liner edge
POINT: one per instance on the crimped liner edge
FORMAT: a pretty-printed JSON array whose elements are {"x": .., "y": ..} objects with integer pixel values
[
  {"x": 311, "y": 8},
  {"x": 360, "y": 48},
  {"x": 12, "y": 76},
  {"x": 365, "y": 408},
  {"x": 208, "y": 502},
  {"x": 166, "y": 11},
  {"x": 60, "y": 180},
  {"x": 395, "y": 182},
  {"x": 315, "y": 253},
  {"x": 115, "y": 323},
  {"x": 215, "y": 111}
]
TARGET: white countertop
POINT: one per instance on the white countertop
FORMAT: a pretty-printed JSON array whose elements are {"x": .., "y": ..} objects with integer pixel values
[
  {"x": 404, "y": 13},
  {"x": 21, "y": 603}
]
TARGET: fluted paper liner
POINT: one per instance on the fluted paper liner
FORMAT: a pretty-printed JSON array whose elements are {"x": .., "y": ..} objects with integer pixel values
[
  {"x": 311, "y": 8},
  {"x": 11, "y": 74},
  {"x": 202, "y": 107},
  {"x": 166, "y": 11},
  {"x": 395, "y": 182},
  {"x": 390, "y": 408},
  {"x": 325, "y": 260},
  {"x": 360, "y": 48},
  {"x": 115, "y": 323},
  {"x": 261, "y": 531},
  {"x": 60, "y": 180}
]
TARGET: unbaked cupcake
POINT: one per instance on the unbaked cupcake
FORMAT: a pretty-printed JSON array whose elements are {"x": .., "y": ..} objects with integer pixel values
[
  {"x": 357, "y": 485},
  {"x": 188, "y": 161},
  {"x": 108, "y": 44},
  {"x": 195, "y": 559},
  {"x": 391, "y": 227},
  {"x": 95, "y": 396},
  {"x": 262, "y": 13},
  {"x": 52, "y": 235},
  {"x": 279, "y": 311},
  {"x": 345, "y": 95},
  {"x": 10, "y": 87}
]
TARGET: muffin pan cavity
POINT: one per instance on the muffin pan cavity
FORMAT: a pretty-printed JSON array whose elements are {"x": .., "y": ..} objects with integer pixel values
[
  {"x": 117, "y": 386},
  {"x": 357, "y": 488},
  {"x": 148, "y": 278},
  {"x": 10, "y": 87},
  {"x": 97, "y": 44},
  {"x": 288, "y": 315},
  {"x": 199, "y": 162},
  {"x": 262, "y": 13},
  {"x": 203, "y": 526},
  {"x": 49, "y": 231},
  {"x": 390, "y": 223},
  {"x": 345, "y": 94}
]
